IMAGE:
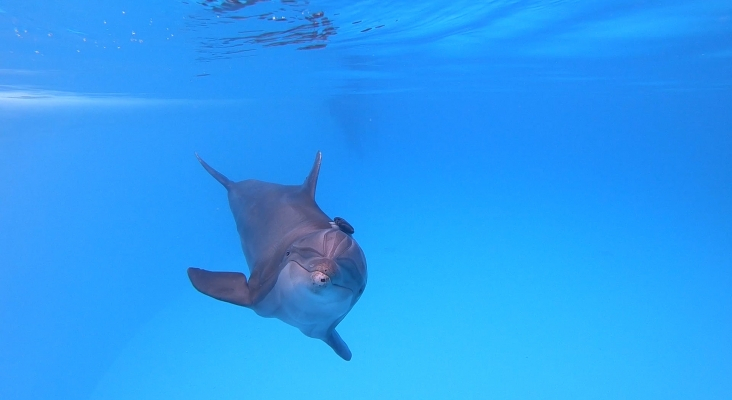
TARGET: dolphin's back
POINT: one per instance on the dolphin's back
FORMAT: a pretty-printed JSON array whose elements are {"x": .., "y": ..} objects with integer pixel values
[{"x": 269, "y": 217}]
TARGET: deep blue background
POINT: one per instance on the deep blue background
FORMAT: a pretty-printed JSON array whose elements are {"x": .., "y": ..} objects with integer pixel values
[{"x": 545, "y": 208}]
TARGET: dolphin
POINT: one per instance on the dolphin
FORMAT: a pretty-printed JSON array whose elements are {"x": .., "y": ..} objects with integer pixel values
[{"x": 304, "y": 268}]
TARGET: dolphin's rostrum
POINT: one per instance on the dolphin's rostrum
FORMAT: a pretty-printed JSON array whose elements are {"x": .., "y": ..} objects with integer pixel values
[{"x": 304, "y": 268}]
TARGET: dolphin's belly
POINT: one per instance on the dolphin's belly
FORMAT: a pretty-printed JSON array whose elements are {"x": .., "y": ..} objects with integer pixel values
[{"x": 295, "y": 301}]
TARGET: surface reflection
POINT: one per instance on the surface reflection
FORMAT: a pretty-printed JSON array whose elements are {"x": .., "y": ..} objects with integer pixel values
[{"x": 262, "y": 23}]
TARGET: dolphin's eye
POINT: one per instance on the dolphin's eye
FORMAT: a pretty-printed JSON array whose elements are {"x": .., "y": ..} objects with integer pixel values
[{"x": 287, "y": 254}]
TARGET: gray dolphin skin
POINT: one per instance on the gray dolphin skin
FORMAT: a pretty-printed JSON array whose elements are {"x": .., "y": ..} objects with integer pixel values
[{"x": 304, "y": 268}]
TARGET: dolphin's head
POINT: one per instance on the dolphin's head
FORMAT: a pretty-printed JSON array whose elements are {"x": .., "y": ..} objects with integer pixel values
[
  {"x": 323, "y": 275},
  {"x": 329, "y": 262}
]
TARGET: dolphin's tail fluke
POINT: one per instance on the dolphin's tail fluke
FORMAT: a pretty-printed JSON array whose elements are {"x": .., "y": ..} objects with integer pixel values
[
  {"x": 312, "y": 180},
  {"x": 216, "y": 174}
]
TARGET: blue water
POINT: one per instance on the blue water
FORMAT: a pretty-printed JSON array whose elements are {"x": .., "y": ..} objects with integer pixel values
[{"x": 542, "y": 189}]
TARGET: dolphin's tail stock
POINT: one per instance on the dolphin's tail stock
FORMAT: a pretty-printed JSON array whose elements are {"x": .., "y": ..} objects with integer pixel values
[{"x": 216, "y": 174}]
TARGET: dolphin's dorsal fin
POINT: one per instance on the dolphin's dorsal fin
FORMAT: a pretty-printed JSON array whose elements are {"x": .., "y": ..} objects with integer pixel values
[{"x": 312, "y": 180}]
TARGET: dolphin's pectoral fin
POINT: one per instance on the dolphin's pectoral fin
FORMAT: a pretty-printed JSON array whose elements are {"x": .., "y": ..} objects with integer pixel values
[
  {"x": 225, "y": 286},
  {"x": 338, "y": 345}
]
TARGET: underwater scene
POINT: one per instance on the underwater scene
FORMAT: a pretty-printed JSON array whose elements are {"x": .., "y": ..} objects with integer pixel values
[{"x": 303, "y": 199}]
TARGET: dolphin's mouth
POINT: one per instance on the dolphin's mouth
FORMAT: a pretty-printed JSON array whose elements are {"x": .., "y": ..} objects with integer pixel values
[
  {"x": 343, "y": 287},
  {"x": 321, "y": 280}
]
